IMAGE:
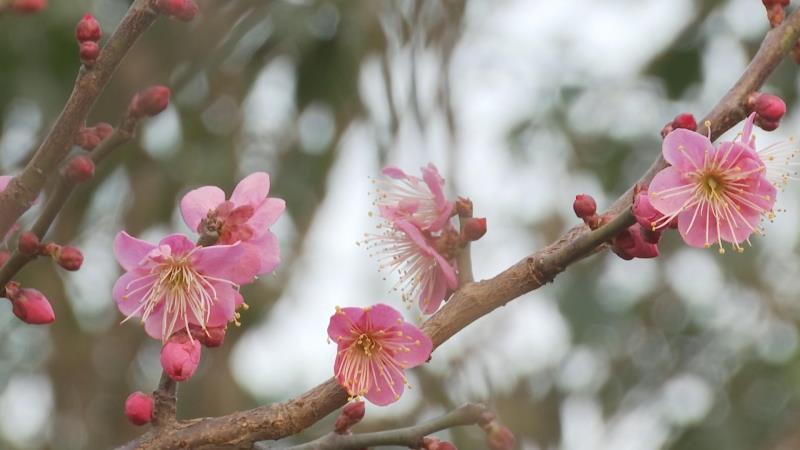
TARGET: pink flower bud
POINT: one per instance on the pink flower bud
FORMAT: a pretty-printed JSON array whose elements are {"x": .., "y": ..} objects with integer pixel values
[
  {"x": 631, "y": 243},
  {"x": 79, "y": 169},
  {"x": 88, "y": 29},
  {"x": 150, "y": 101},
  {"x": 499, "y": 437},
  {"x": 180, "y": 357},
  {"x": 87, "y": 139},
  {"x": 89, "y": 51},
  {"x": 775, "y": 12},
  {"x": 184, "y": 10},
  {"x": 769, "y": 107},
  {"x": 584, "y": 206},
  {"x": 70, "y": 258},
  {"x": 28, "y": 6},
  {"x": 474, "y": 228},
  {"x": 31, "y": 306},
  {"x": 139, "y": 408},
  {"x": 28, "y": 244},
  {"x": 767, "y": 125},
  {"x": 351, "y": 414},
  {"x": 684, "y": 120},
  {"x": 103, "y": 130},
  {"x": 644, "y": 211}
]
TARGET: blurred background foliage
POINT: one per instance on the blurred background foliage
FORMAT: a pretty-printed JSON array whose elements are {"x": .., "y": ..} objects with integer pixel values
[{"x": 522, "y": 104}]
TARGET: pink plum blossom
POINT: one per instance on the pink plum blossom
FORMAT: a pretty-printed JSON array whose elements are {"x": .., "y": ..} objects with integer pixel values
[
  {"x": 425, "y": 272},
  {"x": 245, "y": 217},
  {"x": 715, "y": 193},
  {"x": 375, "y": 346},
  {"x": 176, "y": 283},
  {"x": 418, "y": 201}
]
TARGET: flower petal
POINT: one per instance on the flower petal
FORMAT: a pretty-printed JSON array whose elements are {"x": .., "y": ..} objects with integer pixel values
[
  {"x": 128, "y": 293},
  {"x": 669, "y": 192},
  {"x": 268, "y": 251},
  {"x": 697, "y": 227},
  {"x": 252, "y": 190},
  {"x": 387, "y": 386},
  {"x": 178, "y": 243},
  {"x": 153, "y": 326},
  {"x": 418, "y": 345},
  {"x": 342, "y": 322},
  {"x": 267, "y": 213},
  {"x": 229, "y": 262},
  {"x": 432, "y": 292},
  {"x": 686, "y": 150},
  {"x": 196, "y": 204},
  {"x": 380, "y": 317},
  {"x": 394, "y": 172},
  {"x": 130, "y": 251}
]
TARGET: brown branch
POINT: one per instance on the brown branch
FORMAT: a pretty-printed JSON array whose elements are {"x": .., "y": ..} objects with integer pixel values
[
  {"x": 165, "y": 400},
  {"x": 469, "y": 414},
  {"x": 25, "y": 187},
  {"x": 474, "y": 300},
  {"x": 62, "y": 192}
]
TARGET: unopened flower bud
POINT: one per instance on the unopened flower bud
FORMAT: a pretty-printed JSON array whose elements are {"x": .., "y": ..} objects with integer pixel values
[
  {"x": 28, "y": 6},
  {"x": 150, "y": 101},
  {"x": 684, "y": 120},
  {"x": 768, "y": 106},
  {"x": 89, "y": 51},
  {"x": 184, "y": 10},
  {"x": 139, "y": 408},
  {"x": 767, "y": 125},
  {"x": 499, "y": 437},
  {"x": 103, "y": 130},
  {"x": 351, "y": 414},
  {"x": 584, "y": 206},
  {"x": 775, "y": 11},
  {"x": 474, "y": 228},
  {"x": 631, "y": 243},
  {"x": 87, "y": 139},
  {"x": 30, "y": 305},
  {"x": 88, "y": 29},
  {"x": 70, "y": 258},
  {"x": 28, "y": 244},
  {"x": 463, "y": 205},
  {"x": 180, "y": 357},
  {"x": 646, "y": 214},
  {"x": 79, "y": 169}
]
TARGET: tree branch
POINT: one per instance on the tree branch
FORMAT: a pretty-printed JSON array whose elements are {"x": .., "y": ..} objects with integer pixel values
[
  {"x": 25, "y": 187},
  {"x": 469, "y": 414},
  {"x": 474, "y": 300}
]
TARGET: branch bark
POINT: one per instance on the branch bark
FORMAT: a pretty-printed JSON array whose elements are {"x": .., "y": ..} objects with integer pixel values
[
  {"x": 474, "y": 300},
  {"x": 25, "y": 187}
]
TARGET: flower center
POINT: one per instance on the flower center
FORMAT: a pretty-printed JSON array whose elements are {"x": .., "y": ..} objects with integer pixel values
[
  {"x": 712, "y": 185},
  {"x": 365, "y": 344}
]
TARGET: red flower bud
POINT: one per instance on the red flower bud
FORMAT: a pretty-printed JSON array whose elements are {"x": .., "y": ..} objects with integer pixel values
[
  {"x": 767, "y": 125},
  {"x": 586, "y": 209},
  {"x": 89, "y": 51},
  {"x": 79, "y": 169},
  {"x": 769, "y": 107},
  {"x": 70, "y": 258},
  {"x": 87, "y": 139},
  {"x": 351, "y": 414},
  {"x": 474, "y": 228},
  {"x": 28, "y": 6},
  {"x": 499, "y": 437},
  {"x": 88, "y": 29},
  {"x": 684, "y": 120},
  {"x": 644, "y": 211},
  {"x": 180, "y": 357},
  {"x": 150, "y": 101},
  {"x": 139, "y": 408},
  {"x": 28, "y": 244},
  {"x": 775, "y": 12},
  {"x": 210, "y": 337},
  {"x": 184, "y": 10},
  {"x": 103, "y": 130},
  {"x": 30, "y": 305}
]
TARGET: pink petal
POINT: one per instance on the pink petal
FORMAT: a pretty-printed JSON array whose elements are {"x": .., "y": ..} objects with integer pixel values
[
  {"x": 196, "y": 204},
  {"x": 686, "y": 150},
  {"x": 178, "y": 243},
  {"x": 267, "y": 213},
  {"x": 252, "y": 190},
  {"x": 387, "y": 387},
  {"x": 222, "y": 311},
  {"x": 153, "y": 325},
  {"x": 342, "y": 322},
  {"x": 229, "y": 262},
  {"x": 394, "y": 172},
  {"x": 435, "y": 183},
  {"x": 447, "y": 270},
  {"x": 268, "y": 251},
  {"x": 130, "y": 251},
  {"x": 443, "y": 219},
  {"x": 380, "y": 317},
  {"x": 418, "y": 344},
  {"x": 702, "y": 232},
  {"x": 669, "y": 192},
  {"x": 415, "y": 235},
  {"x": 432, "y": 293},
  {"x": 747, "y": 130},
  {"x": 128, "y": 305},
  {"x": 741, "y": 227}
]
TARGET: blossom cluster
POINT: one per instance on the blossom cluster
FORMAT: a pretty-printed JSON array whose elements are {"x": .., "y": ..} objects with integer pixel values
[{"x": 186, "y": 293}]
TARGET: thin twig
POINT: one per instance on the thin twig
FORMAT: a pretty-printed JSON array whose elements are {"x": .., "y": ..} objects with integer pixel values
[
  {"x": 474, "y": 300},
  {"x": 25, "y": 187},
  {"x": 165, "y": 402},
  {"x": 469, "y": 414}
]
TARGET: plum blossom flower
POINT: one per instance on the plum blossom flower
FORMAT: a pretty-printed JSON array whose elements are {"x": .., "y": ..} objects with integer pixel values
[
  {"x": 176, "y": 284},
  {"x": 245, "y": 217},
  {"x": 418, "y": 201},
  {"x": 715, "y": 193},
  {"x": 375, "y": 346},
  {"x": 426, "y": 272}
]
